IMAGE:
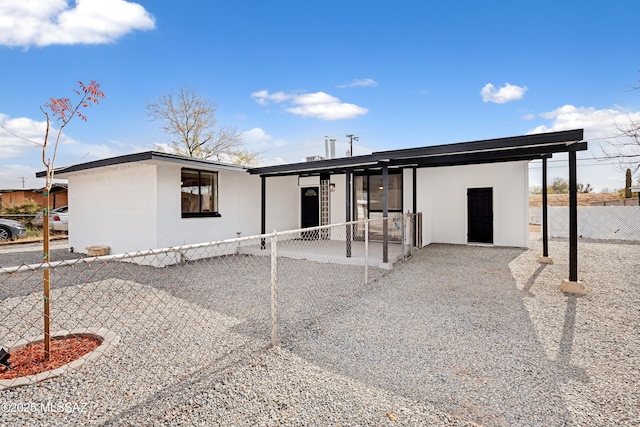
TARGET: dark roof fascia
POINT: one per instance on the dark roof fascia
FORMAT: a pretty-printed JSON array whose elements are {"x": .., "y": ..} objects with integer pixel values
[
  {"x": 561, "y": 138},
  {"x": 15, "y": 190},
  {"x": 145, "y": 156},
  {"x": 546, "y": 143},
  {"x": 526, "y": 154},
  {"x": 431, "y": 162},
  {"x": 317, "y": 166}
]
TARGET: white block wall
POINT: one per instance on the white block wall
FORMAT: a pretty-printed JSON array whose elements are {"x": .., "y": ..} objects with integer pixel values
[
  {"x": 442, "y": 198},
  {"x": 114, "y": 206},
  {"x": 136, "y": 206},
  {"x": 283, "y": 203},
  {"x": 140, "y": 208},
  {"x": 238, "y": 205}
]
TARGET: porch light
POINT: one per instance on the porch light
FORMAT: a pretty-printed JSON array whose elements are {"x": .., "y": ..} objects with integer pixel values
[{"x": 332, "y": 187}]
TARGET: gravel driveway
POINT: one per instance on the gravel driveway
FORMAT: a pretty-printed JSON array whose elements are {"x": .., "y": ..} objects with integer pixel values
[
  {"x": 15, "y": 254},
  {"x": 459, "y": 335}
]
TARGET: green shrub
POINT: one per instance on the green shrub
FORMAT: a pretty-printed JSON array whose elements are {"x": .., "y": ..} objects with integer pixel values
[{"x": 29, "y": 207}]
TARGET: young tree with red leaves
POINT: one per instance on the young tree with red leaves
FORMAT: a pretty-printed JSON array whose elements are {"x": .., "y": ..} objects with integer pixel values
[{"x": 63, "y": 111}]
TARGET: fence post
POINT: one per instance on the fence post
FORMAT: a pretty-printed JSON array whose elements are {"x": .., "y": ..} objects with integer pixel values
[
  {"x": 274, "y": 289},
  {"x": 404, "y": 240},
  {"x": 412, "y": 232},
  {"x": 366, "y": 252}
]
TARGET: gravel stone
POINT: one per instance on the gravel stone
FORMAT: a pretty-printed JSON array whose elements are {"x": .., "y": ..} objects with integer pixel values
[{"x": 458, "y": 335}]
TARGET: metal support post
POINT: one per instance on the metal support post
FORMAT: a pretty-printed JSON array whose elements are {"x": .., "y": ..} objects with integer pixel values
[
  {"x": 366, "y": 252},
  {"x": 274, "y": 289},
  {"x": 348, "y": 213},
  {"x": 385, "y": 214}
]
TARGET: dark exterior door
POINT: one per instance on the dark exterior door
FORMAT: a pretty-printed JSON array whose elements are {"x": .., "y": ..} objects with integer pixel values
[
  {"x": 310, "y": 210},
  {"x": 480, "y": 215}
]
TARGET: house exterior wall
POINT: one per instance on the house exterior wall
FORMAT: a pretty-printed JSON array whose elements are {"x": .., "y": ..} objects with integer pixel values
[
  {"x": 338, "y": 202},
  {"x": 442, "y": 197},
  {"x": 283, "y": 203},
  {"x": 424, "y": 203},
  {"x": 238, "y": 205},
  {"x": 145, "y": 212},
  {"x": 114, "y": 207},
  {"x": 407, "y": 190}
]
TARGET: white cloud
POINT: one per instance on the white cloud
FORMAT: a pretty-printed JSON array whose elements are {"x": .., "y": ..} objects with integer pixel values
[
  {"x": 11, "y": 177},
  {"x": 360, "y": 82},
  {"x": 46, "y": 22},
  {"x": 21, "y": 136},
  {"x": 598, "y": 124},
  {"x": 329, "y": 111},
  {"x": 12, "y": 146},
  {"x": 258, "y": 139},
  {"x": 319, "y": 105},
  {"x": 263, "y": 97},
  {"x": 602, "y": 134},
  {"x": 506, "y": 93}
]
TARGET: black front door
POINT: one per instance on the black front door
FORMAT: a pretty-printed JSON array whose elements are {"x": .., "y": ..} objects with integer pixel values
[
  {"x": 310, "y": 210},
  {"x": 480, "y": 215}
]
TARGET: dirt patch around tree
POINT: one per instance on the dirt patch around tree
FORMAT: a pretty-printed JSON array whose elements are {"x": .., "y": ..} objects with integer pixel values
[{"x": 29, "y": 360}]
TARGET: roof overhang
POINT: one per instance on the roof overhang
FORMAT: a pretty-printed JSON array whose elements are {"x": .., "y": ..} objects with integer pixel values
[
  {"x": 148, "y": 157},
  {"x": 518, "y": 148}
]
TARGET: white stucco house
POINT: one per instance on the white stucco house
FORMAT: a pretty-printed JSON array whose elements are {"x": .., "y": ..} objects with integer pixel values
[
  {"x": 471, "y": 192},
  {"x": 146, "y": 201}
]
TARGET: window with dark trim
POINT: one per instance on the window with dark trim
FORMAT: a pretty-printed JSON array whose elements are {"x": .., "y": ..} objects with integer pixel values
[
  {"x": 367, "y": 203},
  {"x": 199, "y": 193},
  {"x": 367, "y": 194}
]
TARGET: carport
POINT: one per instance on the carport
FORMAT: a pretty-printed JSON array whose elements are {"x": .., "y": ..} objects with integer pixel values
[{"x": 491, "y": 151}]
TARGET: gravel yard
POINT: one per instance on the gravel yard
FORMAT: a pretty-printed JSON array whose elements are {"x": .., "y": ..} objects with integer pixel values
[{"x": 459, "y": 335}]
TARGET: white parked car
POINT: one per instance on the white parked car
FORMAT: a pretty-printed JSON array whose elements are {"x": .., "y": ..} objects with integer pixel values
[
  {"x": 59, "y": 221},
  {"x": 37, "y": 221}
]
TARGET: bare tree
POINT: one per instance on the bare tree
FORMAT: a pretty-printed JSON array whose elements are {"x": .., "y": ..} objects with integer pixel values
[
  {"x": 627, "y": 150},
  {"x": 190, "y": 122}
]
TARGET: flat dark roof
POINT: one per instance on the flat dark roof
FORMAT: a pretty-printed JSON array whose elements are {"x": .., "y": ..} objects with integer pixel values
[
  {"x": 146, "y": 156},
  {"x": 525, "y": 147}
]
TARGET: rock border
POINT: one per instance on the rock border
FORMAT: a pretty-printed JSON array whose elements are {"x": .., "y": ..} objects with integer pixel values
[{"x": 109, "y": 340}]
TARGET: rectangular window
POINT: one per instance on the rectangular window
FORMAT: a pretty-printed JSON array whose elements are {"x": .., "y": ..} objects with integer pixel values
[{"x": 199, "y": 193}]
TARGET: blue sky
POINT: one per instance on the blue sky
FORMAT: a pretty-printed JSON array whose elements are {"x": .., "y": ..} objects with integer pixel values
[{"x": 287, "y": 73}]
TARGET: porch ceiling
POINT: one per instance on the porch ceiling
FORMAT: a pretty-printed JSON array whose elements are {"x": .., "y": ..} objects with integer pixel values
[{"x": 526, "y": 147}]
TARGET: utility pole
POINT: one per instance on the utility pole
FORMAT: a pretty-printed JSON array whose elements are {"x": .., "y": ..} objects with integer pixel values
[
  {"x": 351, "y": 139},
  {"x": 23, "y": 178}
]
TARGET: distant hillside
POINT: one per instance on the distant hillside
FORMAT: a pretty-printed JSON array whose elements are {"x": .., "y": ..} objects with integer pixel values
[{"x": 535, "y": 200}]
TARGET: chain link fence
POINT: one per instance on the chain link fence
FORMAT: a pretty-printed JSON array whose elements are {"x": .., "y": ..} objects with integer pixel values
[
  {"x": 168, "y": 311},
  {"x": 598, "y": 222}
]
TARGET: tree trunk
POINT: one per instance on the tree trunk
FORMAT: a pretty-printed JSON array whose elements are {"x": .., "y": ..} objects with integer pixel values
[{"x": 47, "y": 277}]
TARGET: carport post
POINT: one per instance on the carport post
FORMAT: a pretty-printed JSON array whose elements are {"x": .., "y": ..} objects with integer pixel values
[
  {"x": 263, "y": 209},
  {"x": 348, "y": 212},
  {"x": 415, "y": 207},
  {"x": 385, "y": 214},
  {"x": 366, "y": 252},
  {"x": 545, "y": 259},
  {"x": 274, "y": 289},
  {"x": 573, "y": 285}
]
